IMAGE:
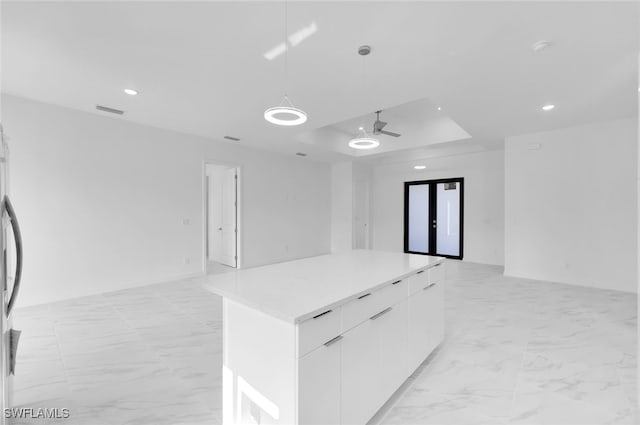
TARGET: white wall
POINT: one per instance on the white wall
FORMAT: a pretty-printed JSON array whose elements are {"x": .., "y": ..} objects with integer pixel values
[
  {"x": 571, "y": 205},
  {"x": 341, "y": 206},
  {"x": 483, "y": 204},
  {"x": 102, "y": 201}
]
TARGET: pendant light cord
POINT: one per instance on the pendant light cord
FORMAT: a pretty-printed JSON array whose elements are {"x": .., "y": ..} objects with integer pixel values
[{"x": 286, "y": 49}]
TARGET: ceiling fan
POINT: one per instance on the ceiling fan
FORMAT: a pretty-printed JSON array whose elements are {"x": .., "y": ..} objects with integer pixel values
[{"x": 379, "y": 125}]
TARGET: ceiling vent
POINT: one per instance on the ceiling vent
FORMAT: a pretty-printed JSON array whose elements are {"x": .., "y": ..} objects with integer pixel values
[
  {"x": 110, "y": 110},
  {"x": 235, "y": 139}
]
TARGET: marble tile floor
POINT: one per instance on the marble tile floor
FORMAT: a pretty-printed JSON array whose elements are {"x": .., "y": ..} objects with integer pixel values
[{"x": 516, "y": 352}]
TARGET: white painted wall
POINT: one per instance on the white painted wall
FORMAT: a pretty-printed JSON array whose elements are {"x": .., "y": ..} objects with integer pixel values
[
  {"x": 102, "y": 201},
  {"x": 483, "y": 204},
  {"x": 571, "y": 205},
  {"x": 341, "y": 206}
]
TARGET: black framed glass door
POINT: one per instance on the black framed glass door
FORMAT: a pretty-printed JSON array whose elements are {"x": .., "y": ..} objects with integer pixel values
[{"x": 433, "y": 217}]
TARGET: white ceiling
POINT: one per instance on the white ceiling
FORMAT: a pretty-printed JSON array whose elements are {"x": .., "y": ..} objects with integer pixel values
[
  {"x": 420, "y": 123},
  {"x": 200, "y": 66}
]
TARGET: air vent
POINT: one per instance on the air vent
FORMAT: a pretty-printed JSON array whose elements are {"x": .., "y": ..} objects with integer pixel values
[
  {"x": 301, "y": 154},
  {"x": 235, "y": 139},
  {"x": 110, "y": 110}
]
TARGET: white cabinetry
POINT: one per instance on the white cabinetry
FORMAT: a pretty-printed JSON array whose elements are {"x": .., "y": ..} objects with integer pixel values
[
  {"x": 340, "y": 360},
  {"x": 319, "y": 385},
  {"x": 359, "y": 374}
]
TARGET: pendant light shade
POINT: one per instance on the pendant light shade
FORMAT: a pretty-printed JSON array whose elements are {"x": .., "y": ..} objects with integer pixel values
[
  {"x": 285, "y": 114},
  {"x": 363, "y": 141}
]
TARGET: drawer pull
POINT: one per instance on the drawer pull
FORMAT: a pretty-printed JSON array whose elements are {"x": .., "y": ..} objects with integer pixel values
[
  {"x": 322, "y": 314},
  {"x": 364, "y": 296},
  {"x": 429, "y": 286},
  {"x": 333, "y": 341},
  {"x": 385, "y": 311},
  {"x": 396, "y": 282},
  {"x": 421, "y": 271},
  {"x": 438, "y": 265}
]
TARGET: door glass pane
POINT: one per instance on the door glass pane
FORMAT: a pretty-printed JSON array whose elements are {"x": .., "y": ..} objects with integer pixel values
[
  {"x": 419, "y": 218},
  {"x": 448, "y": 219}
]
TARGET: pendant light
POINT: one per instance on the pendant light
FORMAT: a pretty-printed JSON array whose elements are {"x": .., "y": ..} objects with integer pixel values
[
  {"x": 363, "y": 140},
  {"x": 285, "y": 113}
]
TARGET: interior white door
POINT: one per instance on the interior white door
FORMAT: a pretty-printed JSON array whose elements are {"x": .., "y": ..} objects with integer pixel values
[{"x": 229, "y": 218}]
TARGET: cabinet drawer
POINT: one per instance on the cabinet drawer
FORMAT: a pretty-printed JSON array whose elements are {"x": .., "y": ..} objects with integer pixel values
[
  {"x": 418, "y": 281},
  {"x": 436, "y": 273},
  {"x": 314, "y": 332},
  {"x": 362, "y": 308}
]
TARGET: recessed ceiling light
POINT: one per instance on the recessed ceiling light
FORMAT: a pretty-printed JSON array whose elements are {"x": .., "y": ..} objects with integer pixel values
[
  {"x": 548, "y": 107},
  {"x": 131, "y": 92},
  {"x": 439, "y": 108},
  {"x": 420, "y": 167}
]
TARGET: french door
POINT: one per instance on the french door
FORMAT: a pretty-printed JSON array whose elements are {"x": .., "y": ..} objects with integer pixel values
[{"x": 433, "y": 217}]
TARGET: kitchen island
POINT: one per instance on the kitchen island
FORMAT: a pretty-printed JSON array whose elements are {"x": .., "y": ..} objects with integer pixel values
[{"x": 327, "y": 339}]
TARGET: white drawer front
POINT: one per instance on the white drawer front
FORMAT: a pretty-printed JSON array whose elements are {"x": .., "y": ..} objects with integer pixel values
[
  {"x": 314, "y": 332},
  {"x": 418, "y": 281},
  {"x": 360, "y": 309},
  {"x": 436, "y": 273}
]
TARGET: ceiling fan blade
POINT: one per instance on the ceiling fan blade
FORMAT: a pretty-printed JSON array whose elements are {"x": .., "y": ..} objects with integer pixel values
[
  {"x": 390, "y": 133},
  {"x": 379, "y": 125}
]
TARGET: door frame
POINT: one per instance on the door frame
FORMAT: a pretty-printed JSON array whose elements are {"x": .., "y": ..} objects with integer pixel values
[
  {"x": 433, "y": 195},
  {"x": 205, "y": 207}
]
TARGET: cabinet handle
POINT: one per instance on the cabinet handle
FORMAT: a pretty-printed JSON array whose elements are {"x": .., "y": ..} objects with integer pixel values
[
  {"x": 396, "y": 282},
  {"x": 364, "y": 296},
  {"x": 429, "y": 286},
  {"x": 333, "y": 341},
  {"x": 322, "y": 314},
  {"x": 438, "y": 265},
  {"x": 385, "y": 311},
  {"x": 421, "y": 271}
]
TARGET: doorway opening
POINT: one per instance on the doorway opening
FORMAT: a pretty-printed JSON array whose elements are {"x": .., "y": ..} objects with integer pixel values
[
  {"x": 221, "y": 218},
  {"x": 434, "y": 217}
]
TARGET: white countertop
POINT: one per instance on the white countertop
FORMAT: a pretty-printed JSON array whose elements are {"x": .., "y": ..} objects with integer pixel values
[{"x": 297, "y": 290}]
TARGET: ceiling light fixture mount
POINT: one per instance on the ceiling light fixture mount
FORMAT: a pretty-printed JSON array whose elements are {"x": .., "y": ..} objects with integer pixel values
[
  {"x": 285, "y": 114},
  {"x": 419, "y": 167}
]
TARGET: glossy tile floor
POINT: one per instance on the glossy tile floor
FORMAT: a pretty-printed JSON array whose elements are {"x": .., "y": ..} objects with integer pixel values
[{"x": 516, "y": 352}]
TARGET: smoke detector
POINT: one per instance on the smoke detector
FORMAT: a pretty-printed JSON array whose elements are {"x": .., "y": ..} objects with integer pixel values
[{"x": 364, "y": 50}]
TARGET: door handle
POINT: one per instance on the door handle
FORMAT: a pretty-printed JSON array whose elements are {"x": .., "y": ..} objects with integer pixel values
[{"x": 6, "y": 206}]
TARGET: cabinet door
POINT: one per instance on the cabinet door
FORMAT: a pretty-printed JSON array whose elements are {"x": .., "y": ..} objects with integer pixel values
[
  {"x": 319, "y": 386},
  {"x": 393, "y": 342},
  {"x": 435, "y": 316},
  {"x": 360, "y": 374},
  {"x": 418, "y": 333}
]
